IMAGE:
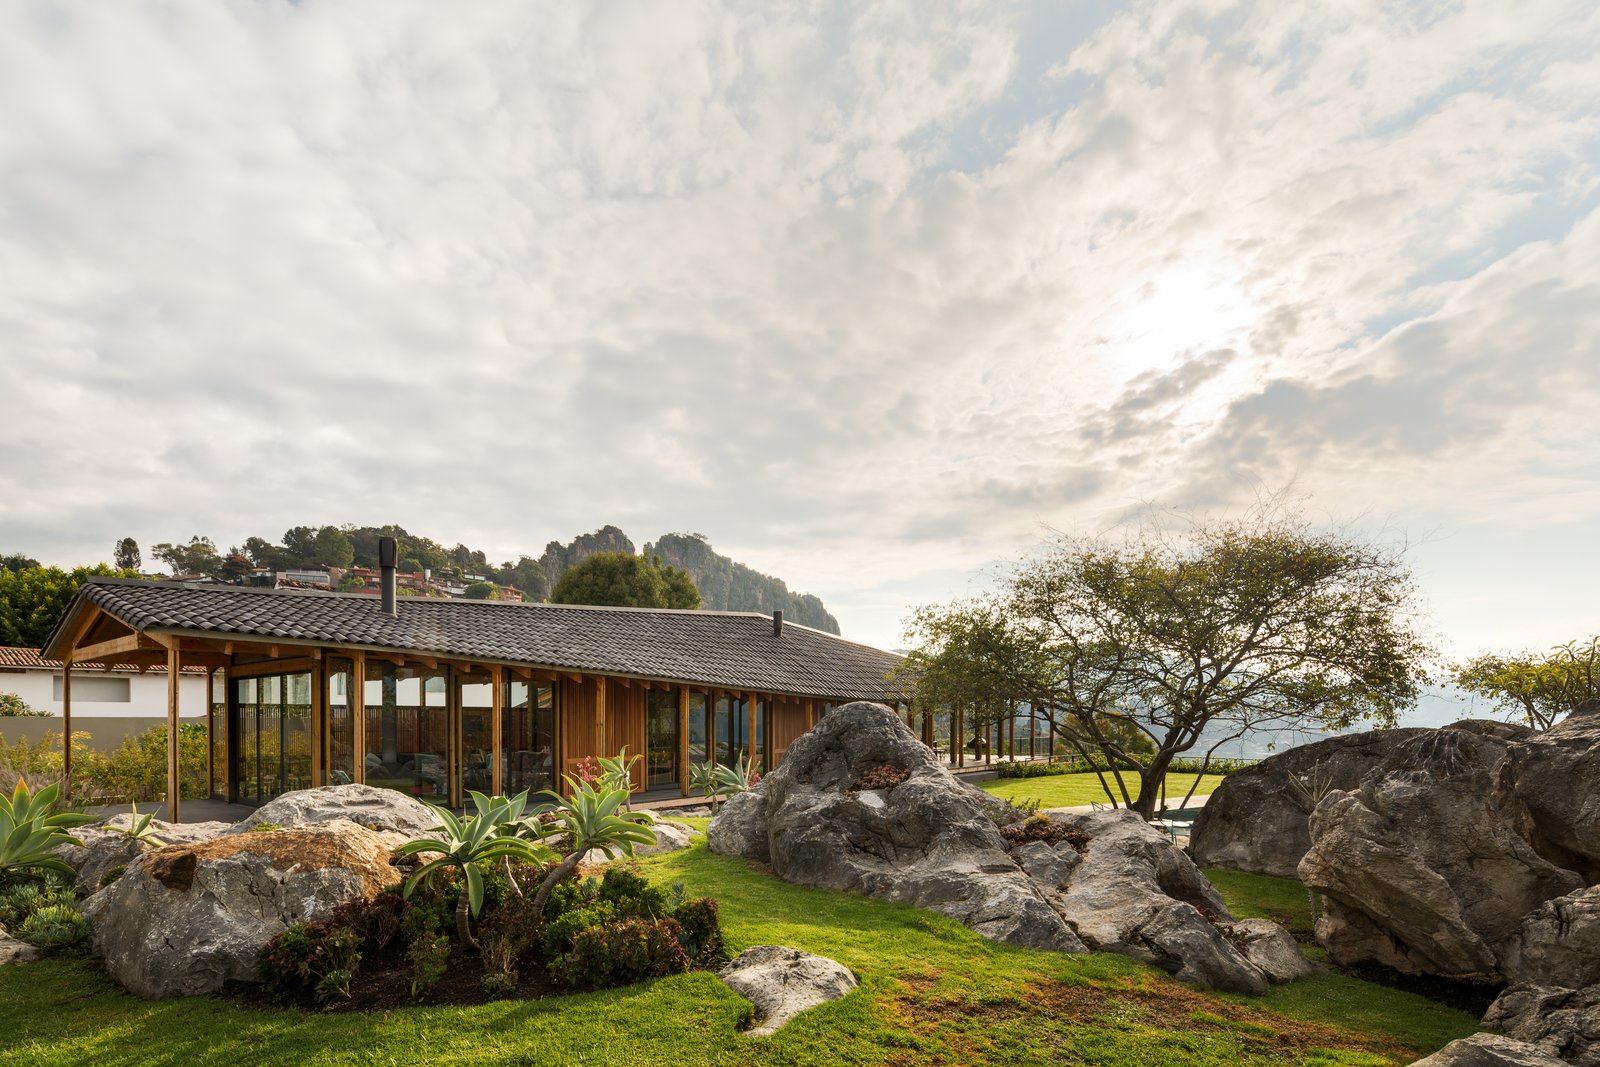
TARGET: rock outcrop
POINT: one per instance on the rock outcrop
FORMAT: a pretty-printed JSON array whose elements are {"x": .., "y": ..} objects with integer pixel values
[
  {"x": 14, "y": 951},
  {"x": 1555, "y": 777},
  {"x": 1558, "y": 943},
  {"x": 670, "y": 837},
  {"x": 365, "y": 805},
  {"x": 106, "y": 846},
  {"x": 780, "y": 983},
  {"x": 1490, "y": 1050},
  {"x": 1421, "y": 865},
  {"x": 1562, "y": 1022},
  {"x": 1272, "y": 949},
  {"x": 1103, "y": 880},
  {"x": 1256, "y": 820},
  {"x": 185, "y": 919}
]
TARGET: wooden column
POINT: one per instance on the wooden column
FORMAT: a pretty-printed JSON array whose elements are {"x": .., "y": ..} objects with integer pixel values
[
  {"x": 174, "y": 663},
  {"x": 319, "y": 719},
  {"x": 66, "y": 728},
  {"x": 358, "y": 720},
  {"x": 211, "y": 742},
  {"x": 600, "y": 716},
  {"x": 811, "y": 714},
  {"x": 497, "y": 741},
  {"x": 683, "y": 739},
  {"x": 750, "y": 731}
]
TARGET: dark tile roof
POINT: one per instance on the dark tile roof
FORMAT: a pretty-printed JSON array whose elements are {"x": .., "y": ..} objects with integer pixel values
[
  {"x": 736, "y": 650},
  {"x": 13, "y": 656}
]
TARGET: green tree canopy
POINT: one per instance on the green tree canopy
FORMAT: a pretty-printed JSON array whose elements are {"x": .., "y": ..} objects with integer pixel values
[
  {"x": 126, "y": 555},
  {"x": 199, "y": 556},
  {"x": 481, "y": 591},
  {"x": 1538, "y": 688},
  {"x": 621, "y": 579},
  {"x": 32, "y": 600},
  {"x": 1239, "y": 626}
]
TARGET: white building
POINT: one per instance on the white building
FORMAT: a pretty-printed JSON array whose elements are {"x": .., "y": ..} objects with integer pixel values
[{"x": 124, "y": 693}]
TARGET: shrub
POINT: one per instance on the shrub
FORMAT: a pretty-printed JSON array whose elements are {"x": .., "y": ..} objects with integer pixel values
[
  {"x": 1039, "y": 827},
  {"x": 882, "y": 776},
  {"x": 22, "y": 897},
  {"x": 12, "y": 704},
  {"x": 430, "y": 958},
  {"x": 700, "y": 932},
  {"x": 112, "y": 875},
  {"x": 55, "y": 926},
  {"x": 504, "y": 936},
  {"x": 318, "y": 958},
  {"x": 560, "y": 934},
  {"x": 31, "y": 829},
  {"x": 632, "y": 895},
  {"x": 621, "y": 953}
]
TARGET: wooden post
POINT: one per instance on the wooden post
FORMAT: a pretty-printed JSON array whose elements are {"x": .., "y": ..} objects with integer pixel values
[
  {"x": 811, "y": 714},
  {"x": 683, "y": 740},
  {"x": 319, "y": 719},
  {"x": 173, "y": 664},
  {"x": 750, "y": 731},
  {"x": 211, "y": 742},
  {"x": 66, "y": 727},
  {"x": 358, "y": 717},
  {"x": 1033, "y": 727},
  {"x": 497, "y": 730}
]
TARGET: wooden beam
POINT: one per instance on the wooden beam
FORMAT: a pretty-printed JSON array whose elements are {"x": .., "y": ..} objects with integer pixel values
[
  {"x": 496, "y": 731},
  {"x": 115, "y": 647},
  {"x": 66, "y": 730},
  {"x": 173, "y": 678}
]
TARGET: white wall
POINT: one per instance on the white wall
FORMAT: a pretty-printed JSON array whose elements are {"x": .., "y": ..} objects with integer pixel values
[{"x": 147, "y": 693}]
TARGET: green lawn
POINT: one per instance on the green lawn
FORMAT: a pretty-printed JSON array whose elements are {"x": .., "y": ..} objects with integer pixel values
[
  {"x": 1073, "y": 790},
  {"x": 933, "y": 993}
]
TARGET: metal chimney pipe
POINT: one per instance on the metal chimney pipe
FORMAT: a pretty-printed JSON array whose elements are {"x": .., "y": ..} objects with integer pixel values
[
  {"x": 386, "y": 581},
  {"x": 777, "y": 624}
]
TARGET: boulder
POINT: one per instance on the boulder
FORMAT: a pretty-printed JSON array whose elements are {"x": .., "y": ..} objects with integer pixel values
[
  {"x": 1137, "y": 894},
  {"x": 106, "y": 846},
  {"x": 1257, "y": 821},
  {"x": 1272, "y": 949},
  {"x": 1422, "y": 866},
  {"x": 1555, "y": 777},
  {"x": 1558, "y": 943},
  {"x": 14, "y": 951},
  {"x": 926, "y": 841},
  {"x": 185, "y": 919},
  {"x": 365, "y": 805},
  {"x": 783, "y": 982},
  {"x": 740, "y": 826},
  {"x": 1489, "y": 1050},
  {"x": 1562, "y": 1022},
  {"x": 670, "y": 837}
]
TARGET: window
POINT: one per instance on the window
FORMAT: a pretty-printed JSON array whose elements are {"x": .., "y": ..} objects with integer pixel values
[{"x": 96, "y": 690}]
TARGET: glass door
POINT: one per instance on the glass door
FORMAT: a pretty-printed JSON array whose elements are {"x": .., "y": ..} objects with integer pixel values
[{"x": 661, "y": 739}]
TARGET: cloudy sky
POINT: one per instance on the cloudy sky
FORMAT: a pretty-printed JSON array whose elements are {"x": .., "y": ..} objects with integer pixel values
[{"x": 871, "y": 297}]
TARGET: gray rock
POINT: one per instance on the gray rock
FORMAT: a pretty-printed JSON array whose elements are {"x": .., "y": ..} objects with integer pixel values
[
  {"x": 783, "y": 982},
  {"x": 364, "y": 805},
  {"x": 1562, "y": 1022},
  {"x": 1255, "y": 821},
  {"x": 105, "y": 847},
  {"x": 1489, "y": 1050},
  {"x": 670, "y": 837},
  {"x": 1421, "y": 865},
  {"x": 1137, "y": 894},
  {"x": 186, "y": 918},
  {"x": 927, "y": 841},
  {"x": 1555, "y": 776},
  {"x": 1558, "y": 943},
  {"x": 14, "y": 951},
  {"x": 1049, "y": 865},
  {"x": 1273, "y": 950},
  {"x": 740, "y": 826}
]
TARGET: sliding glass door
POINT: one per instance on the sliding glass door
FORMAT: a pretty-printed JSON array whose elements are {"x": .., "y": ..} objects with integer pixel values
[{"x": 272, "y": 730}]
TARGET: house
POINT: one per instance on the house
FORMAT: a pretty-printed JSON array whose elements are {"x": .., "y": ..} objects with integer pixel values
[
  {"x": 109, "y": 703},
  {"x": 436, "y": 697}
]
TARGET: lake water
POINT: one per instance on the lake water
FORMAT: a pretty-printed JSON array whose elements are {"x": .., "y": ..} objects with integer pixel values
[{"x": 1438, "y": 706}]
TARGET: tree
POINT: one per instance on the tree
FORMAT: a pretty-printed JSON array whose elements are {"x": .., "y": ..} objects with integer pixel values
[
  {"x": 32, "y": 601},
  {"x": 481, "y": 591},
  {"x": 1240, "y": 626},
  {"x": 199, "y": 556},
  {"x": 621, "y": 579},
  {"x": 1539, "y": 688},
  {"x": 235, "y": 569},
  {"x": 333, "y": 548},
  {"x": 126, "y": 555},
  {"x": 17, "y": 562},
  {"x": 528, "y": 576},
  {"x": 12, "y": 705}
]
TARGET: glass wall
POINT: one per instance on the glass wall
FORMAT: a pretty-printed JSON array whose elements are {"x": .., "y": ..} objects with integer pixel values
[
  {"x": 661, "y": 738},
  {"x": 698, "y": 741},
  {"x": 273, "y": 731},
  {"x": 476, "y": 695},
  {"x": 733, "y": 731},
  {"x": 528, "y": 734},
  {"x": 341, "y": 722},
  {"x": 408, "y": 729}
]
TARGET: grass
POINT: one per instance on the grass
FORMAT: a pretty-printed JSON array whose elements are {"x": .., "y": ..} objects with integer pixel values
[
  {"x": 933, "y": 993},
  {"x": 1075, "y": 790}
]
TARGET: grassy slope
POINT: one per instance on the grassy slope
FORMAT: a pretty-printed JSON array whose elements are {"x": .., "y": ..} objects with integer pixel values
[
  {"x": 1073, "y": 790},
  {"x": 933, "y": 993}
]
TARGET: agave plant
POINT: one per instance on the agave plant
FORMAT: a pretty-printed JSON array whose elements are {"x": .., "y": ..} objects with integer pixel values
[
  {"x": 139, "y": 829},
  {"x": 715, "y": 781},
  {"x": 616, "y": 772},
  {"x": 30, "y": 831},
  {"x": 592, "y": 817},
  {"x": 464, "y": 843}
]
